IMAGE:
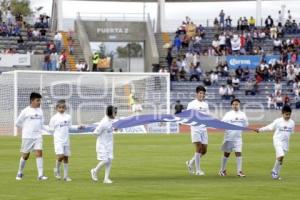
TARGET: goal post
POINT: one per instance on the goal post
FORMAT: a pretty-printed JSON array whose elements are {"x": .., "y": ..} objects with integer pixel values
[{"x": 87, "y": 94}]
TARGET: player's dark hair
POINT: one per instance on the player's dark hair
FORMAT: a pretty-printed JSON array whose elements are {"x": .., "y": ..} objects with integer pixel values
[
  {"x": 200, "y": 88},
  {"x": 233, "y": 100},
  {"x": 286, "y": 109},
  {"x": 60, "y": 102},
  {"x": 110, "y": 110},
  {"x": 35, "y": 95}
]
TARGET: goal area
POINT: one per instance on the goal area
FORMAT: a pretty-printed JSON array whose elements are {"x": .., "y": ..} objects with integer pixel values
[{"x": 87, "y": 94}]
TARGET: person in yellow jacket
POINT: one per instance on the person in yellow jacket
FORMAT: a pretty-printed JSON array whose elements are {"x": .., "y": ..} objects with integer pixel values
[
  {"x": 251, "y": 23},
  {"x": 95, "y": 61}
]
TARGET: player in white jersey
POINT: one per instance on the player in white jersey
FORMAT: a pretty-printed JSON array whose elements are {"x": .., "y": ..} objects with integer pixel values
[
  {"x": 31, "y": 121},
  {"x": 104, "y": 144},
  {"x": 233, "y": 138},
  {"x": 198, "y": 133},
  {"x": 59, "y": 125},
  {"x": 283, "y": 127}
]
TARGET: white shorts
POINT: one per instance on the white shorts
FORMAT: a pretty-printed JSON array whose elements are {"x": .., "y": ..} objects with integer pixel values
[
  {"x": 105, "y": 155},
  {"x": 62, "y": 149},
  {"x": 201, "y": 137},
  {"x": 232, "y": 146},
  {"x": 281, "y": 148},
  {"x": 30, "y": 144}
]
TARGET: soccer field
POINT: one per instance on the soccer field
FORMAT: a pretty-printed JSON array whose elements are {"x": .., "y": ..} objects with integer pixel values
[{"x": 153, "y": 167}]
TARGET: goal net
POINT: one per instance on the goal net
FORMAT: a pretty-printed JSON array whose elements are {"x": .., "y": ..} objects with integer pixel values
[{"x": 87, "y": 94}]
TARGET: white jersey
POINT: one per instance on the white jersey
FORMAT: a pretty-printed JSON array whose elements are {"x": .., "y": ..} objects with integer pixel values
[
  {"x": 31, "y": 120},
  {"x": 238, "y": 118},
  {"x": 202, "y": 107},
  {"x": 60, "y": 124},
  {"x": 105, "y": 136},
  {"x": 283, "y": 131}
]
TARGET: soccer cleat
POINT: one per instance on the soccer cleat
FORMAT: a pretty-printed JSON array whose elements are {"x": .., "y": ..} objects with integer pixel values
[
  {"x": 275, "y": 176},
  {"x": 42, "y": 178},
  {"x": 222, "y": 173},
  {"x": 94, "y": 175},
  {"x": 107, "y": 181},
  {"x": 241, "y": 174},
  {"x": 200, "y": 173},
  {"x": 56, "y": 174},
  {"x": 67, "y": 179},
  {"x": 189, "y": 167},
  {"x": 19, "y": 176}
]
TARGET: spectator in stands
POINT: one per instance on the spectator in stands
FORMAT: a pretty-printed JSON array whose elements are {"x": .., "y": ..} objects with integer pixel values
[
  {"x": 222, "y": 19},
  {"x": 182, "y": 74},
  {"x": 43, "y": 34},
  {"x": 20, "y": 42},
  {"x": 280, "y": 30},
  {"x": 9, "y": 17},
  {"x": 57, "y": 40},
  {"x": 235, "y": 44},
  {"x": 245, "y": 75},
  {"x": 277, "y": 45},
  {"x": 163, "y": 69},
  {"x": 53, "y": 58},
  {"x": 35, "y": 35},
  {"x": 286, "y": 100},
  {"x": 206, "y": 79},
  {"x": 278, "y": 100},
  {"x": 294, "y": 27},
  {"x": 95, "y": 61},
  {"x": 269, "y": 22},
  {"x": 191, "y": 30},
  {"x": 216, "y": 46},
  {"x": 177, "y": 43},
  {"x": 178, "y": 107},
  {"x": 195, "y": 72},
  {"x": 169, "y": 57},
  {"x": 291, "y": 76},
  {"x": 222, "y": 92},
  {"x": 216, "y": 23},
  {"x": 214, "y": 78},
  {"x": 239, "y": 72},
  {"x": 296, "y": 87},
  {"x": 222, "y": 43},
  {"x": 270, "y": 101},
  {"x": 228, "y": 21},
  {"x": 79, "y": 66},
  {"x": 230, "y": 92},
  {"x": 174, "y": 71},
  {"x": 252, "y": 23},
  {"x": 239, "y": 24},
  {"x": 63, "y": 61},
  {"x": 261, "y": 36},
  {"x": 47, "y": 62},
  {"x": 273, "y": 32},
  {"x": 277, "y": 86},
  {"x": 250, "y": 87},
  {"x": 236, "y": 83},
  {"x": 280, "y": 17},
  {"x": 71, "y": 45},
  {"x": 249, "y": 45},
  {"x": 245, "y": 26}
]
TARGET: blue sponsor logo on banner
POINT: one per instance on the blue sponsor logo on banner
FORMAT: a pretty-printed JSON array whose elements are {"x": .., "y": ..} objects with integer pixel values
[
  {"x": 243, "y": 61},
  {"x": 271, "y": 59}
]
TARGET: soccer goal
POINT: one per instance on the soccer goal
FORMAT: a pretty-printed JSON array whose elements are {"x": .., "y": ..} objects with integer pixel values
[{"x": 87, "y": 94}]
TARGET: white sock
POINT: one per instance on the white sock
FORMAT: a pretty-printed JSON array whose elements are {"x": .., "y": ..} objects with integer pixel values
[
  {"x": 21, "y": 165},
  {"x": 223, "y": 163},
  {"x": 239, "y": 163},
  {"x": 197, "y": 161},
  {"x": 277, "y": 166},
  {"x": 107, "y": 169},
  {"x": 191, "y": 162},
  {"x": 100, "y": 165},
  {"x": 57, "y": 165},
  {"x": 66, "y": 170},
  {"x": 39, "y": 164}
]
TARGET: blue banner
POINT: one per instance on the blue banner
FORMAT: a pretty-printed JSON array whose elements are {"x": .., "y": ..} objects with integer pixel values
[
  {"x": 271, "y": 59},
  {"x": 244, "y": 61},
  {"x": 189, "y": 117}
]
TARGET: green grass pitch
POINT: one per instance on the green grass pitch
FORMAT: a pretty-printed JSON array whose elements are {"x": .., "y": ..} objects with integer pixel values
[{"x": 153, "y": 167}]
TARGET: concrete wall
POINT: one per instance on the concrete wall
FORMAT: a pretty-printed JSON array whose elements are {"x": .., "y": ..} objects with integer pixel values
[
  {"x": 209, "y": 63},
  {"x": 122, "y": 31}
]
